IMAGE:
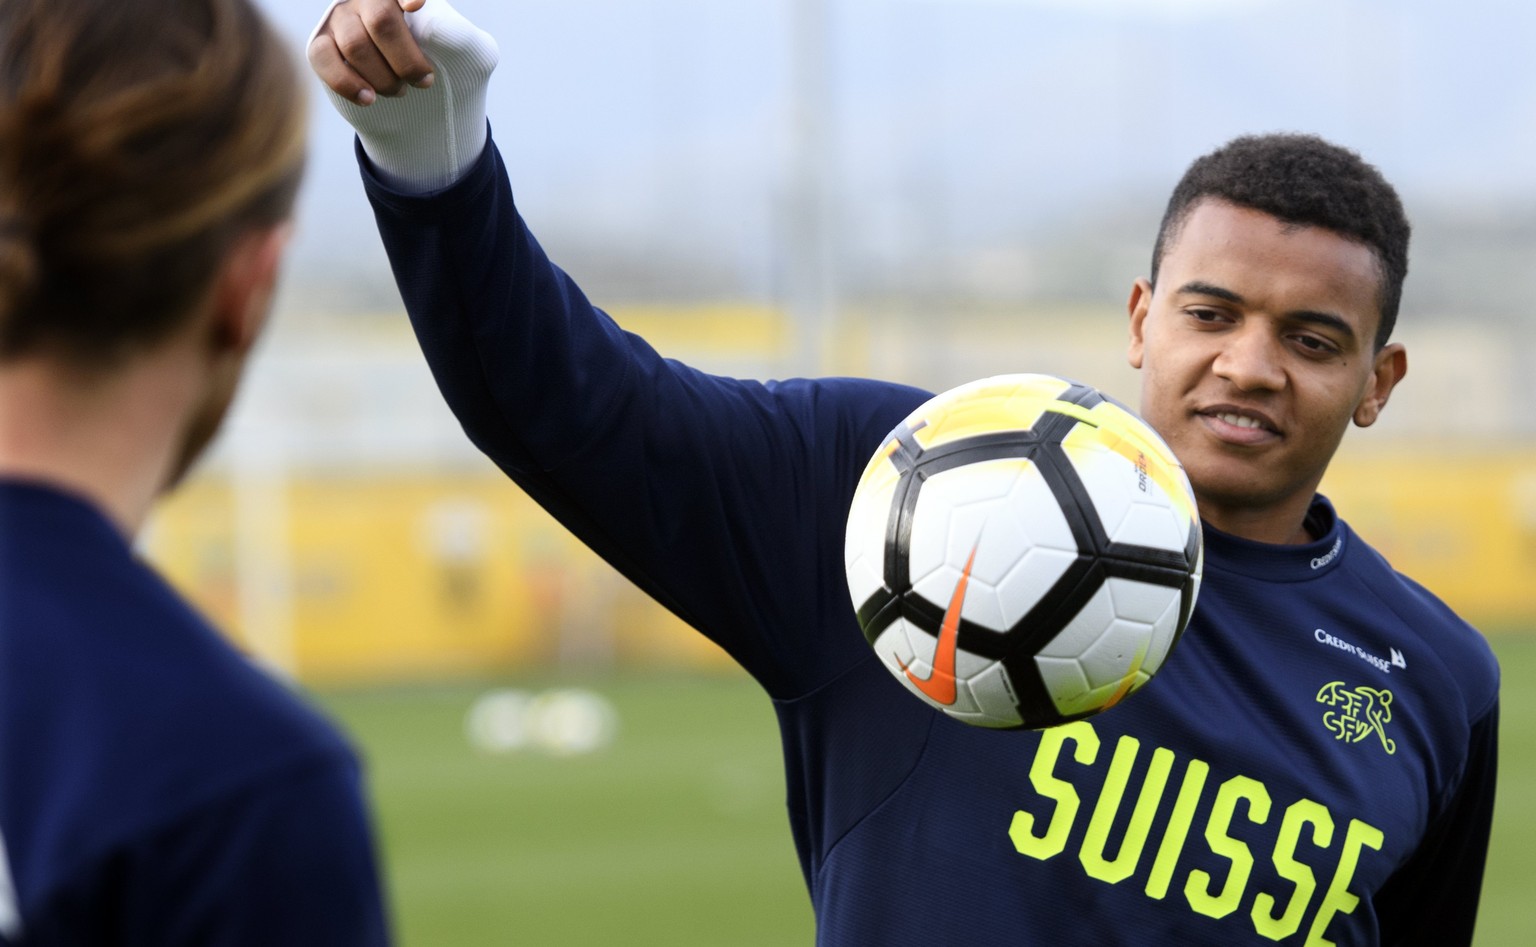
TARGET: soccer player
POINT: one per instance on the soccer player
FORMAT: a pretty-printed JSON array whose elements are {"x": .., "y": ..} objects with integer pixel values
[
  {"x": 1314, "y": 764},
  {"x": 155, "y": 787}
]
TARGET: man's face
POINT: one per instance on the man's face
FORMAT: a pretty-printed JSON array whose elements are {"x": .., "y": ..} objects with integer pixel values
[{"x": 1257, "y": 350}]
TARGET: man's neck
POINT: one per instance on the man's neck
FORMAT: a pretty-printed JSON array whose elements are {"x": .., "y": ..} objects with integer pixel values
[
  {"x": 1290, "y": 526},
  {"x": 109, "y": 438}
]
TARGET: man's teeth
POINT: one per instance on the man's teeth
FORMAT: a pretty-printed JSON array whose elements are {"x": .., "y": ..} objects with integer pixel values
[{"x": 1237, "y": 420}]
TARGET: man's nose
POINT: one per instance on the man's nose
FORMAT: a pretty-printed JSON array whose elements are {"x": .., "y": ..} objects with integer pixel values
[{"x": 1251, "y": 359}]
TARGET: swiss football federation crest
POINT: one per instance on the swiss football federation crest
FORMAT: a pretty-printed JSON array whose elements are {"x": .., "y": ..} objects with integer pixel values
[{"x": 1355, "y": 713}]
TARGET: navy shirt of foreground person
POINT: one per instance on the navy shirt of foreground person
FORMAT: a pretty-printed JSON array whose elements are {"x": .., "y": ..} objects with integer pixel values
[{"x": 155, "y": 788}]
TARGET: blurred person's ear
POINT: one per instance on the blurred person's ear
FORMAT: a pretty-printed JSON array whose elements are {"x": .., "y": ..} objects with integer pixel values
[{"x": 243, "y": 290}]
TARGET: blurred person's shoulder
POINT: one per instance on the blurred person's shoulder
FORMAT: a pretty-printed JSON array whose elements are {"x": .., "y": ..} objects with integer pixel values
[{"x": 121, "y": 704}]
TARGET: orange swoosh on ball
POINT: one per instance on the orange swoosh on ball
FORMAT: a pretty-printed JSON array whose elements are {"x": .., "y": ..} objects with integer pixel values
[{"x": 940, "y": 682}]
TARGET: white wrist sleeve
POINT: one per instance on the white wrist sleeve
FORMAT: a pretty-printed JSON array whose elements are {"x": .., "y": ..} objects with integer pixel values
[{"x": 428, "y": 138}]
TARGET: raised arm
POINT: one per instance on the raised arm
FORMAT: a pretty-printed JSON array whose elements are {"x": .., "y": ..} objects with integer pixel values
[{"x": 722, "y": 498}]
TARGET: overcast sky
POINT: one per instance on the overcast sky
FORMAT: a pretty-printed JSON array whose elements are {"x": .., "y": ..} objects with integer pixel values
[{"x": 663, "y": 126}]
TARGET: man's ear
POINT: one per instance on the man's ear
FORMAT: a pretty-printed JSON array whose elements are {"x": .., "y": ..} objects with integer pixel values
[
  {"x": 243, "y": 290},
  {"x": 1138, "y": 305},
  {"x": 1391, "y": 364}
]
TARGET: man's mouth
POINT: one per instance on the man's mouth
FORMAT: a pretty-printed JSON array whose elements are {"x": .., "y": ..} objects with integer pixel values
[
  {"x": 1238, "y": 420},
  {"x": 1238, "y": 425}
]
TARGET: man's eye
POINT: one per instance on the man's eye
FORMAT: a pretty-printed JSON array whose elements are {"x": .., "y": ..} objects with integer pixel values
[{"x": 1314, "y": 344}]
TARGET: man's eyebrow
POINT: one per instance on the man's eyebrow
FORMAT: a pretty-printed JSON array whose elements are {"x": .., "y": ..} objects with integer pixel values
[
  {"x": 1198, "y": 288},
  {"x": 1322, "y": 319},
  {"x": 1326, "y": 320}
]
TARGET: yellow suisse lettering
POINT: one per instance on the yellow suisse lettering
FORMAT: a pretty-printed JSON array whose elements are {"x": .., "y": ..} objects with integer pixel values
[
  {"x": 1197, "y": 887},
  {"x": 1123, "y": 865},
  {"x": 1178, "y": 828},
  {"x": 1338, "y": 900},
  {"x": 1054, "y": 839},
  {"x": 1299, "y": 813},
  {"x": 1270, "y": 919}
]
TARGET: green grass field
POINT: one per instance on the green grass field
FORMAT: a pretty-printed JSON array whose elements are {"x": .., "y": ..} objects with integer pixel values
[{"x": 676, "y": 833}]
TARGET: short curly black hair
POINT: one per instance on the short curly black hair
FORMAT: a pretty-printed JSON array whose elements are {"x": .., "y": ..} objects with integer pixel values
[{"x": 1301, "y": 179}]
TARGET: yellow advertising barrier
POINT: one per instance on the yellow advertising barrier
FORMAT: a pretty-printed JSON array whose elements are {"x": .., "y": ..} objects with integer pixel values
[
  {"x": 1460, "y": 521},
  {"x": 426, "y": 575},
  {"x": 405, "y": 577}
]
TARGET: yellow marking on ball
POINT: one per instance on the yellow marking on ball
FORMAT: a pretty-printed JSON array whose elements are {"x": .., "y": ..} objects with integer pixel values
[
  {"x": 1130, "y": 677},
  {"x": 1123, "y": 435}
]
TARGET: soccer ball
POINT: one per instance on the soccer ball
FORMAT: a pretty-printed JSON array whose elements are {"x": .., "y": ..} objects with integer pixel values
[{"x": 1023, "y": 551}]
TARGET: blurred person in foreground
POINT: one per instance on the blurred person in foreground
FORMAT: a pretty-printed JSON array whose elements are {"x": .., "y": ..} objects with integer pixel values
[
  {"x": 1314, "y": 764},
  {"x": 155, "y": 787}
]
